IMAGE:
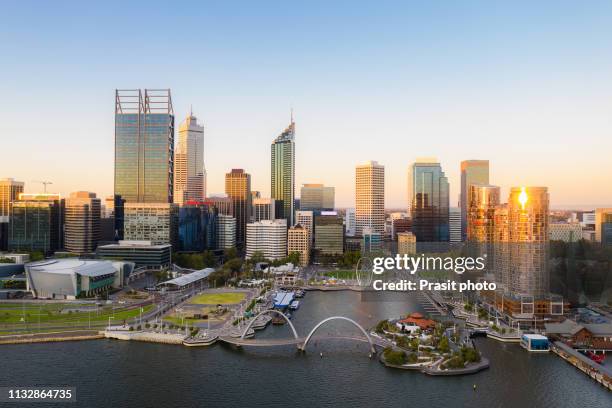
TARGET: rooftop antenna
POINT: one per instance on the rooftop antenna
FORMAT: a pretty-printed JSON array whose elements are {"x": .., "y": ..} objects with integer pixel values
[
  {"x": 191, "y": 110},
  {"x": 44, "y": 183},
  {"x": 292, "y": 114}
]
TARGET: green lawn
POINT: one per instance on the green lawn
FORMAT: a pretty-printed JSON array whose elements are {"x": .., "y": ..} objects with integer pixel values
[
  {"x": 226, "y": 298},
  {"x": 341, "y": 274}
]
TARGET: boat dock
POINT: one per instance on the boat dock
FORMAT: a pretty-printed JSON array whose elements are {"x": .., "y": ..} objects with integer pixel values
[{"x": 600, "y": 373}]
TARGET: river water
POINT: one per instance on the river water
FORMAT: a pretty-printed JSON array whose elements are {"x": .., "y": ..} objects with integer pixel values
[{"x": 111, "y": 373}]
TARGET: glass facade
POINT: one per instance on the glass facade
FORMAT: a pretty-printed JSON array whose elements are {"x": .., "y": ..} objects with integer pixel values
[
  {"x": 197, "y": 228},
  {"x": 283, "y": 174},
  {"x": 144, "y": 146},
  {"x": 430, "y": 202},
  {"x": 37, "y": 225}
]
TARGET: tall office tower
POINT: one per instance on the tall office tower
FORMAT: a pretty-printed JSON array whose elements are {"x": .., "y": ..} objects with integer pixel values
[
  {"x": 406, "y": 243},
  {"x": 283, "y": 174},
  {"x": 36, "y": 223},
  {"x": 306, "y": 220},
  {"x": 144, "y": 145},
  {"x": 189, "y": 170},
  {"x": 197, "y": 229},
  {"x": 268, "y": 237},
  {"x": 501, "y": 246},
  {"x": 350, "y": 222},
  {"x": 223, "y": 204},
  {"x": 298, "y": 241},
  {"x": 483, "y": 200},
  {"x": 108, "y": 210},
  {"x": 370, "y": 197},
  {"x": 9, "y": 192},
  {"x": 317, "y": 197},
  {"x": 528, "y": 238},
  {"x": 603, "y": 226},
  {"x": 82, "y": 229},
  {"x": 454, "y": 224},
  {"x": 400, "y": 222},
  {"x": 329, "y": 234},
  {"x": 238, "y": 189},
  {"x": 263, "y": 209},
  {"x": 428, "y": 189},
  {"x": 155, "y": 222},
  {"x": 472, "y": 172},
  {"x": 226, "y": 231}
]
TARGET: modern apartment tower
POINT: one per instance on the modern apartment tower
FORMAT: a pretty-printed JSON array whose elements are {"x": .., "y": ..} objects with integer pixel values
[
  {"x": 483, "y": 199},
  {"x": 283, "y": 174},
  {"x": 429, "y": 208},
  {"x": 370, "y": 197},
  {"x": 317, "y": 197},
  {"x": 472, "y": 172},
  {"x": 82, "y": 225},
  {"x": 226, "y": 231},
  {"x": 454, "y": 225},
  {"x": 9, "y": 192},
  {"x": 238, "y": 189},
  {"x": 189, "y": 170},
  {"x": 144, "y": 145}
]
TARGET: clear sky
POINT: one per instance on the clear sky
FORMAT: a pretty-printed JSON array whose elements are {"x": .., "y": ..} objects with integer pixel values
[{"x": 527, "y": 85}]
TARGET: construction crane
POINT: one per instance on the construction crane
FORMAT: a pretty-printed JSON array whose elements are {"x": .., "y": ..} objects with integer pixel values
[{"x": 44, "y": 183}]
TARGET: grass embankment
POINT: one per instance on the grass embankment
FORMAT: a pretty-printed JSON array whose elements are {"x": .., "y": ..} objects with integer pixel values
[{"x": 341, "y": 274}]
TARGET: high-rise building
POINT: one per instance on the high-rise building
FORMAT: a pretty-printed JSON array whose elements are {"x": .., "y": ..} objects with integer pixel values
[
  {"x": 299, "y": 241},
  {"x": 223, "y": 204},
  {"x": 472, "y": 172},
  {"x": 9, "y": 192},
  {"x": 197, "y": 229},
  {"x": 82, "y": 225},
  {"x": 238, "y": 189},
  {"x": 36, "y": 223},
  {"x": 350, "y": 222},
  {"x": 328, "y": 234},
  {"x": 226, "y": 231},
  {"x": 189, "y": 169},
  {"x": 428, "y": 189},
  {"x": 155, "y": 222},
  {"x": 144, "y": 145},
  {"x": 317, "y": 197},
  {"x": 306, "y": 220},
  {"x": 269, "y": 237},
  {"x": 454, "y": 224},
  {"x": 263, "y": 209},
  {"x": 406, "y": 243},
  {"x": 371, "y": 241},
  {"x": 400, "y": 222},
  {"x": 370, "y": 197},
  {"x": 603, "y": 226},
  {"x": 483, "y": 199},
  {"x": 283, "y": 174}
]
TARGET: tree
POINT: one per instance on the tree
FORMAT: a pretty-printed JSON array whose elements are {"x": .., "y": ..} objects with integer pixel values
[
  {"x": 208, "y": 259},
  {"x": 443, "y": 345},
  {"x": 395, "y": 357},
  {"x": 230, "y": 253}
]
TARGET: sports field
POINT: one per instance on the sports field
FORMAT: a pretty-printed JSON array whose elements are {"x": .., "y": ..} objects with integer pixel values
[{"x": 224, "y": 298}]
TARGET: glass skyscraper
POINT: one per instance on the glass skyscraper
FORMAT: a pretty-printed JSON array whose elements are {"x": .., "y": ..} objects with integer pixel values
[
  {"x": 472, "y": 172},
  {"x": 283, "y": 174},
  {"x": 144, "y": 145},
  {"x": 428, "y": 186}
]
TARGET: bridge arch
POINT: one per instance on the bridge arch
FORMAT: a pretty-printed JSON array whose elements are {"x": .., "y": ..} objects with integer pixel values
[
  {"x": 322, "y": 322},
  {"x": 267, "y": 311}
]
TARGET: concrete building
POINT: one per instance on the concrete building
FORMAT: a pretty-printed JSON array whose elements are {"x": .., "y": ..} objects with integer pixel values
[
  {"x": 472, "y": 172},
  {"x": 454, "y": 224},
  {"x": 603, "y": 226},
  {"x": 565, "y": 231},
  {"x": 155, "y": 222},
  {"x": 37, "y": 223},
  {"x": 223, "y": 204},
  {"x": 406, "y": 243},
  {"x": 370, "y": 197},
  {"x": 141, "y": 253},
  {"x": 226, "y": 231},
  {"x": 238, "y": 189},
  {"x": 328, "y": 234},
  {"x": 189, "y": 170},
  {"x": 9, "y": 192},
  {"x": 82, "y": 229},
  {"x": 264, "y": 209},
  {"x": 306, "y": 220},
  {"x": 350, "y": 222},
  {"x": 317, "y": 197},
  {"x": 268, "y": 237},
  {"x": 298, "y": 240},
  {"x": 283, "y": 174},
  {"x": 71, "y": 278}
]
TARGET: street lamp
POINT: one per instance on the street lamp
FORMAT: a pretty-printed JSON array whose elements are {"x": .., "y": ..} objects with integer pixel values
[{"x": 109, "y": 319}]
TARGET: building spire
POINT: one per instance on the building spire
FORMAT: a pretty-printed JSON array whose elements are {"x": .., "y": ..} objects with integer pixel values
[
  {"x": 292, "y": 115},
  {"x": 191, "y": 110}
]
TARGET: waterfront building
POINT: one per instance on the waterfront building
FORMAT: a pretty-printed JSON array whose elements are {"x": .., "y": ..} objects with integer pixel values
[
  {"x": 350, "y": 222},
  {"x": 371, "y": 241},
  {"x": 155, "y": 222},
  {"x": 238, "y": 189},
  {"x": 428, "y": 189},
  {"x": 144, "y": 145},
  {"x": 268, "y": 237},
  {"x": 328, "y": 234},
  {"x": 406, "y": 243},
  {"x": 36, "y": 223},
  {"x": 596, "y": 336},
  {"x": 189, "y": 169},
  {"x": 472, "y": 172},
  {"x": 454, "y": 224},
  {"x": 317, "y": 197},
  {"x": 9, "y": 192},
  {"x": 283, "y": 174},
  {"x": 565, "y": 231},
  {"x": 298, "y": 240},
  {"x": 603, "y": 226},
  {"x": 263, "y": 209},
  {"x": 306, "y": 220},
  {"x": 141, "y": 253},
  {"x": 82, "y": 222},
  {"x": 370, "y": 197},
  {"x": 226, "y": 231}
]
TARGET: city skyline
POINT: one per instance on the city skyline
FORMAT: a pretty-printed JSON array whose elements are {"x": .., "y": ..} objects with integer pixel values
[{"x": 532, "y": 96}]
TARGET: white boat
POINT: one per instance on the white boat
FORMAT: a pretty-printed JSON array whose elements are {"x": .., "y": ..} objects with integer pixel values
[{"x": 295, "y": 305}]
